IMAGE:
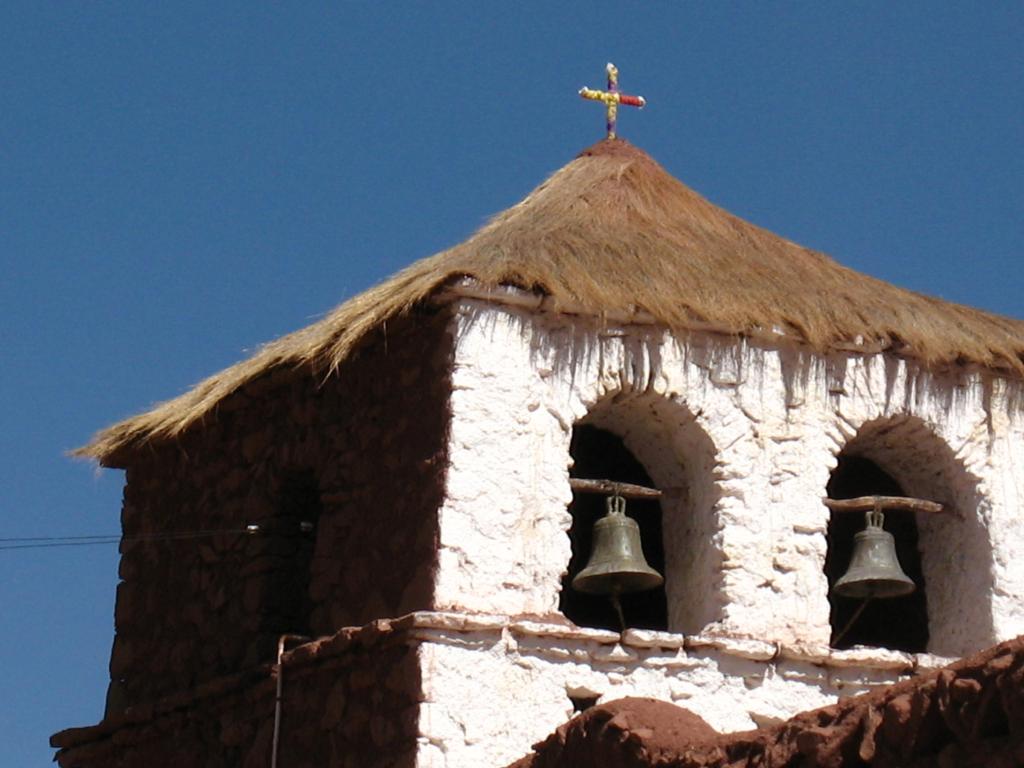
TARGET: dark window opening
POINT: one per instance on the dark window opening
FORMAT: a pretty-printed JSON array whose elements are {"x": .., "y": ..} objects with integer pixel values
[
  {"x": 599, "y": 454},
  {"x": 899, "y": 623},
  {"x": 583, "y": 703},
  {"x": 289, "y": 539}
]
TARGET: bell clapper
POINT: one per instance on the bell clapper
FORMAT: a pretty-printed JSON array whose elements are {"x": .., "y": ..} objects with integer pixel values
[
  {"x": 617, "y": 604},
  {"x": 853, "y": 620}
]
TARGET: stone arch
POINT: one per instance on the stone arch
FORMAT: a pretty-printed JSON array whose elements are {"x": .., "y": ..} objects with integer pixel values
[
  {"x": 955, "y": 549},
  {"x": 679, "y": 457}
]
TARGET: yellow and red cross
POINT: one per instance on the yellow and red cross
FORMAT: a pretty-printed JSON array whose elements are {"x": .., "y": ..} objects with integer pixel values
[{"x": 612, "y": 98}]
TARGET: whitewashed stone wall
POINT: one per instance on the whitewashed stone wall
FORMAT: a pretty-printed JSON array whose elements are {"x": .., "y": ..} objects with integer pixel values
[
  {"x": 743, "y": 438},
  {"x": 493, "y": 687}
]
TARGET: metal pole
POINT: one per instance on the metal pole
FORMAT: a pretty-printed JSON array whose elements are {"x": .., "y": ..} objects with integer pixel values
[{"x": 278, "y": 697}]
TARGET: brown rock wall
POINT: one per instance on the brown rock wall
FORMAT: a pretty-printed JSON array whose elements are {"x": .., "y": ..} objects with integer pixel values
[{"x": 362, "y": 450}]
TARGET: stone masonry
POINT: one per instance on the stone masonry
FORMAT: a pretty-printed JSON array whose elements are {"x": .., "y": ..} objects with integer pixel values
[{"x": 191, "y": 610}]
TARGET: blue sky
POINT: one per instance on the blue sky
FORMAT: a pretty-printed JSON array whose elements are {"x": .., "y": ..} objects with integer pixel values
[{"x": 180, "y": 182}]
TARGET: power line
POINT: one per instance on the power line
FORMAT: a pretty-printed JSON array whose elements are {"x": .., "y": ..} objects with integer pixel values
[
  {"x": 19, "y": 539},
  {"x": 46, "y": 542},
  {"x": 58, "y": 544}
]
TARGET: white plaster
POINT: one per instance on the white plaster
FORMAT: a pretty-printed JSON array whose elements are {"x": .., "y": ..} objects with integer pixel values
[
  {"x": 743, "y": 438},
  {"x": 489, "y": 695}
]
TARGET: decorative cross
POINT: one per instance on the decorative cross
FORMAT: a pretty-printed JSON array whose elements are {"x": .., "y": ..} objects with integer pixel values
[{"x": 612, "y": 98}]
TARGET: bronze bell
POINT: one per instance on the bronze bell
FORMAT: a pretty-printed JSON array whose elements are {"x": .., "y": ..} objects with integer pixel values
[
  {"x": 874, "y": 568},
  {"x": 617, "y": 564}
]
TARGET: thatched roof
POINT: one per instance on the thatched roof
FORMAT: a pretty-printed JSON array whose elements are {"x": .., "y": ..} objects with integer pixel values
[{"x": 613, "y": 234}]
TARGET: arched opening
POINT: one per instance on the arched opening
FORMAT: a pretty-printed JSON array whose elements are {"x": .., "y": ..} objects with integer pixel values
[
  {"x": 600, "y": 454},
  {"x": 953, "y": 548},
  {"x": 899, "y": 623},
  {"x": 648, "y": 439}
]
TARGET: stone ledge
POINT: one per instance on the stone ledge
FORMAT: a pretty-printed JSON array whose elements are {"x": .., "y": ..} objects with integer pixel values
[
  {"x": 649, "y": 638},
  {"x": 562, "y": 632},
  {"x": 881, "y": 659},
  {"x": 744, "y": 648},
  {"x": 445, "y": 627}
]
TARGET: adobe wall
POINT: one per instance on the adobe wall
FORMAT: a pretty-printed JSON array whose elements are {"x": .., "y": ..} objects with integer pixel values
[
  {"x": 372, "y": 439},
  {"x": 743, "y": 438},
  {"x": 349, "y": 701}
]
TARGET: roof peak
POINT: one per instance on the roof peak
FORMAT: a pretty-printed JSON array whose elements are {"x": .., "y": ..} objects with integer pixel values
[{"x": 616, "y": 147}]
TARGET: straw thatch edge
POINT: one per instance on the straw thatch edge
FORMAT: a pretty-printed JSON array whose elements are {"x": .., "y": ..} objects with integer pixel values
[
  {"x": 610, "y": 235},
  {"x": 321, "y": 347}
]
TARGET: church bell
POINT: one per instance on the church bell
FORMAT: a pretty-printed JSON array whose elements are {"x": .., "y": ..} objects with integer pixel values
[
  {"x": 874, "y": 568},
  {"x": 617, "y": 564}
]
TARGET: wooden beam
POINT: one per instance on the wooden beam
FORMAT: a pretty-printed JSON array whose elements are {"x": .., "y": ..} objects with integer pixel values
[
  {"x": 866, "y": 503},
  {"x": 609, "y": 488}
]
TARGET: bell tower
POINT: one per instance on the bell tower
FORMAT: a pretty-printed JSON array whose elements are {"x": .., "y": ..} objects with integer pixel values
[{"x": 613, "y": 445}]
